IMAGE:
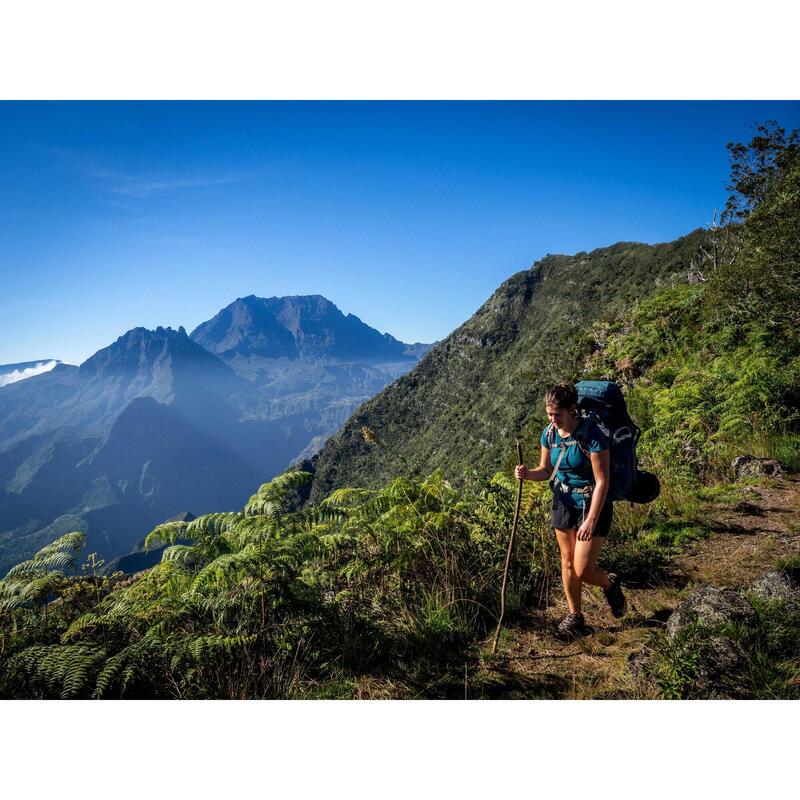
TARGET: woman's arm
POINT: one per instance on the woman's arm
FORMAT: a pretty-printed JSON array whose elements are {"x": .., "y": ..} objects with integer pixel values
[
  {"x": 541, "y": 473},
  {"x": 601, "y": 466}
]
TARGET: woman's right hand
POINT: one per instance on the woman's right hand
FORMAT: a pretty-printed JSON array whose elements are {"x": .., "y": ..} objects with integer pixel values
[{"x": 521, "y": 472}]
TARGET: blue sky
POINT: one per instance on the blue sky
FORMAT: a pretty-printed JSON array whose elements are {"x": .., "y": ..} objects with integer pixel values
[{"x": 409, "y": 215}]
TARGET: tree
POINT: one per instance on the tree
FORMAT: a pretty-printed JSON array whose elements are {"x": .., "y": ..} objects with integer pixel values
[
  {"x": 724, "y": 242},
  {"x": 756, "y": 167},
  {"x": 763, "y": 284}
]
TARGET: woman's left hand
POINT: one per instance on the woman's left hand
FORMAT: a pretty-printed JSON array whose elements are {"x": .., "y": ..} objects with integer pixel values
[{"x": 586, "y": 530}]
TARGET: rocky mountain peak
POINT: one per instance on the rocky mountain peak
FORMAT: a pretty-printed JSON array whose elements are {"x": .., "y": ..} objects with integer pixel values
[
  {"x": 141, "y": 348},
  {"x": 294, "y": 327}
]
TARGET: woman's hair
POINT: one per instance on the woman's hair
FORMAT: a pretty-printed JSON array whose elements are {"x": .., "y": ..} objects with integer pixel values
[{"x": 564, "y": 395}]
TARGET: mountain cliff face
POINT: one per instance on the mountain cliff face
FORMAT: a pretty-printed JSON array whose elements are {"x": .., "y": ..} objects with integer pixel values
[
  {"x": 163, "y": 364},
  {"x": 462, "y": 407},
  {"x": 305, "y": 327},
  {"x": 156, "y": 363}
]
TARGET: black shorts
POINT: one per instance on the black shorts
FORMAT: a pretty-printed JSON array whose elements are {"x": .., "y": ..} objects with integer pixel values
[{"x": 566, "y": 518}]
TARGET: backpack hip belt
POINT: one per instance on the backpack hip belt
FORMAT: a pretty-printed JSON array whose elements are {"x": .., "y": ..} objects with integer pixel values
[{"x": 565, "y": 488}]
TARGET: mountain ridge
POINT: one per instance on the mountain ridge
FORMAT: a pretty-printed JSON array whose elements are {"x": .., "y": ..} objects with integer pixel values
[{"x": 467, "y": 400}]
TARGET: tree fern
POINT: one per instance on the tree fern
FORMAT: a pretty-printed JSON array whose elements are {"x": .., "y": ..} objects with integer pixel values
[
  {"x": 187, "y": 555},
  {"x": 33, "y": 581}
]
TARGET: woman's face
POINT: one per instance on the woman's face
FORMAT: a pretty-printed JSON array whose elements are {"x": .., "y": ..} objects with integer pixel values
[{"x": 559, "y": 415}]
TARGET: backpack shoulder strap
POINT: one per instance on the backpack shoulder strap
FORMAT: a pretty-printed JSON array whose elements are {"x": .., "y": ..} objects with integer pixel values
[
  {"x": 551, "y": 436},
  {"x": 554, "y": 474},
  {"x": 581, "y": 430}
]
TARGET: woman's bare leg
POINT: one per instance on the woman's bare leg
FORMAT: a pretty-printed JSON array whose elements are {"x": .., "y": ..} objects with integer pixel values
[
  {"x": 584, "y": 563},
  {"x": 572, "y": 583}
]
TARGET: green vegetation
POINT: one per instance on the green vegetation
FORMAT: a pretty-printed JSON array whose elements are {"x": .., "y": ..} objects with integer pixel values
[
  {"x": 705, "y": 393},
  {"x": 771, "y": 656},
  {"x": 269, "y": 602},
  {"x": 398, "y": 580},
  {"x": 676, "y": 663},
  {"x": 773, "y": 648},
  {"x": 398, "y": 583},
  {"x": 644, "y": 557}
]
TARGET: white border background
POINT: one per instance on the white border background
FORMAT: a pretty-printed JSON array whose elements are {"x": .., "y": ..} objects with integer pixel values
[
  {"x": 415, "y": 49},
  {"x": 437, "y": 49}
]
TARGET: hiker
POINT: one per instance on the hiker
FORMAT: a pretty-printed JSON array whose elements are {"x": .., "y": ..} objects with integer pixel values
[{"x": 578, "y": 451}]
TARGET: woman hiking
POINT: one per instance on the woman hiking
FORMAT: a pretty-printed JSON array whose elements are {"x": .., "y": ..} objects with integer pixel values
[{"x": 577, "y": 451}]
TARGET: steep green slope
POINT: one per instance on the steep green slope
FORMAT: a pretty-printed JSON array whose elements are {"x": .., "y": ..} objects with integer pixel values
[{"x": 464, "y": 404}]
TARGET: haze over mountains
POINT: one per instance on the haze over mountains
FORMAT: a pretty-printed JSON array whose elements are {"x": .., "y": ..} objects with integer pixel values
[{"x": 160, "y": 421}]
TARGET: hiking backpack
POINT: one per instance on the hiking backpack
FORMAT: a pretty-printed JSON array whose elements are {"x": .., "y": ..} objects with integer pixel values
[{"x": 603, "y": 402}]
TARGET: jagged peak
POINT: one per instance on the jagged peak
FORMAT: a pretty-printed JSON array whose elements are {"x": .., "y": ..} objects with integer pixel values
[
  {"x": 140, "y": 341},
  {"x": 253, "y": 298},
  {"x": 159, "y": 332}
]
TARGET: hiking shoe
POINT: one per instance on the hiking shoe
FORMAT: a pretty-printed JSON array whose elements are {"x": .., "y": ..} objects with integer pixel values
[
  {"x": 616, "y": 600},
  {"x": 572, "y": 627}
]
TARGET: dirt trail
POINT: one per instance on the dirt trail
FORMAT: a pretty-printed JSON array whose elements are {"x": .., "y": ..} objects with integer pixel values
[{"x": 747, "y": 538}]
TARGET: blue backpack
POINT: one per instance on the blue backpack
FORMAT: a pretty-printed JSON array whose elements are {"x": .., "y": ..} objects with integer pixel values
[{"x": 603, "y": 402}]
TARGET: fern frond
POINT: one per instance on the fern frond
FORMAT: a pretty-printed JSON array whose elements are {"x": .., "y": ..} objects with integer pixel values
[
  {"x": 346, "y": 497},
  {"x": 107, "y": 674},
  {"x": 319, "y": 515},
  {"x": 206, "y": 648},
  {"x": 211, "y": 526},
  {"x": 61, "y": 668},
  {"x": 332, "y": 541},
  {"x": 86, "y": 622},
  {"x": 52, "y": 561},
  {"x": 56, "y": 556},
  {"x": 166, "y": 533},
  {"x": 184, "y": 554},
  {"x": 25, "y": 589},
  {"x": 224, "y": 571},
  {"x": 270, "y": 497},
  {"x": 79, "y": 663},
  {"x": 70, "y": 542},
  {"x": 291, "y": 480}
]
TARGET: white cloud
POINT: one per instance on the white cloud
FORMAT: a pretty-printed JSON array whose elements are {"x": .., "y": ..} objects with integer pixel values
[
  {"x": 134, "y": 184},
  {"x": 144, "y": 188},
  {"x": 20, "y": 374}
]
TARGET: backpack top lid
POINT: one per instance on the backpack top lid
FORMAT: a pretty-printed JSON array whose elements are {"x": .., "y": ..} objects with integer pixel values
[
  {"x": 603, "y": 396},
  {"x": 602, "y": 393}
]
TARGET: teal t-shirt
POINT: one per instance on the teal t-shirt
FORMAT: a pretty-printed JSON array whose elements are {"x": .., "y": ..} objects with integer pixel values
[{"x": 575, "y": 469}]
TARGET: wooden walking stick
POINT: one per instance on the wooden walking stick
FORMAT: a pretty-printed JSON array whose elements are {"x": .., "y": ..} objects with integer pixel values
[{"x": 508, "y": 555}]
